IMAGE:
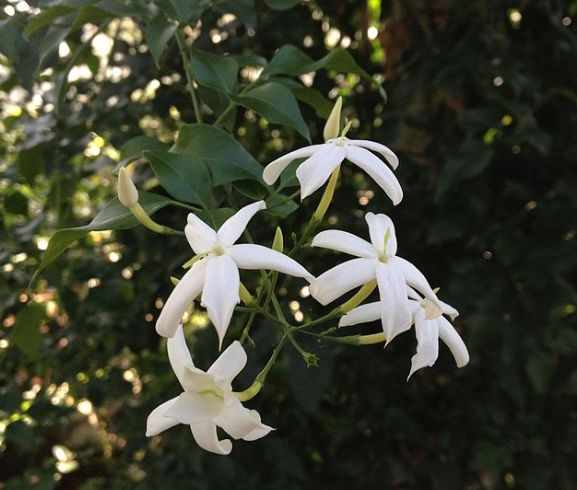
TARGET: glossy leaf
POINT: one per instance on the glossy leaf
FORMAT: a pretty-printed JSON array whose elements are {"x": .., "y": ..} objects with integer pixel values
[
  {"x": 215, "y": 71},
  {"x": 158, "y": 32},
  {"x": 27, "y": 335}
]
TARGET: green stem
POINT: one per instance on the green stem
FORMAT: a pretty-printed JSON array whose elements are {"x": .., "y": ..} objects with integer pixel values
[{"x": 182, "y": 47}]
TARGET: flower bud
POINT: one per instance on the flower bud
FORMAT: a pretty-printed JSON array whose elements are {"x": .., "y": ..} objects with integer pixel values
[
  {"x": 127, "y": 191},
  {"x": 278, "y": 242},
  {"x": 333, "y": 125}
]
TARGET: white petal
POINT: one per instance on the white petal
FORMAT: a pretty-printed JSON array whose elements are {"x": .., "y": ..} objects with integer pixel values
[
  {"x": 205, "y": 436},
  {"x": 235, "y": 419},
  {"x": 192, "y": 408},
  {"x": 449, "y": 335},
  {"x": 378, "y": 170},
  {"x": 427, "y": 342},
  {"x": 411, "y": 293},
  {"x": 340, "y": 279},
  {"x": 261, "y": 431},
  {"x": 178, "y": 353},
  {"x": 157, "y": 421},
  {"x": 195, "y": 379},
  {"x": 220, "y": 294},
  {"x": 346, "y": 242},
  {"x": 387, "y": 153},
  {"x": 315, "y": 171},
  {"x": 273, "y": 170},
  {"x": 378, "y": 226},
  {"x": 251, "y": 257},
  {"x": 362, "y": 314},
  {"x": 416, "y": 279},
  {"x": 448, "y": 310},
  {"x": 230, "y": 363},
  {"x": 395, "y": 311},
  {"x": 181, "y": 297},
  {"x": 233, "y": 227},
  {"x": 200, "y": 236}
]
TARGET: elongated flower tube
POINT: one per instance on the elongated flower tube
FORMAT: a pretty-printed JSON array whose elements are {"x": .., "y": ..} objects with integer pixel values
[
  {"x": 207, "y": 400},
  {"x": 216, "y": 273},
  {"x": 322, "y": 159},
  {"x": 377, "y": 260},
  {"x": 430, "y": 326}
]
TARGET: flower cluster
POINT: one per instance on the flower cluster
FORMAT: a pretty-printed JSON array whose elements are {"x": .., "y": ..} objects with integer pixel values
[{"x": 405, "y": 297}]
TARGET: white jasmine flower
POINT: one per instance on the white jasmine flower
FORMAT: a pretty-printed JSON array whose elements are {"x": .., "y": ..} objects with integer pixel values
[
  {"x": 377, "y": 260},
  {"x": 207, "y": 401},
  {"x": 321, "y": 160},
  {"x": 430, "y": 326},
  {"x": 216, "y": 273}
]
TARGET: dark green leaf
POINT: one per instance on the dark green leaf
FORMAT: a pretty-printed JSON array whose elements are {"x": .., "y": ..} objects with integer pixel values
[
  {"x": 226, "y": 158},
  {"x": 158, "y": 32},
  {"x": 113, "y": 216},
  {"x": 27, "y": 335},
  {"x": 218, "y": 72},
  {"x": 249, "y": 59},
  {"x": 316, "y": 100},
  {"x": 47, "y": 17},
  {"x": 275, "y": 103},
  {"x": 10, "y": 37},
  {"x": 218, "y": 102},
  {"x": 243, "y": 9},
  {"x": 216, "y": 217},
  {"x": 135, "y": 147},
  {"x": 184, "y": 178},
  {"x": 281, "y": 4},
  {"x": 251, "y": 188},
  {"x": 16, "y": 204},
  {"x": 281, "y": 205},
  {"x": 186, "y": 8}
]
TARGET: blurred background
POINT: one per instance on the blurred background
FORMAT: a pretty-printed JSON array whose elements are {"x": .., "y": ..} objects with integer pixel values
[{"x": 482, "y": 112}]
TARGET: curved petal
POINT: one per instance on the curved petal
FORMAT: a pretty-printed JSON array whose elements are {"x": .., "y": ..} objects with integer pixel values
[
  {"x": 346, "y": 242},
  {"x": 378, "y": 226},
  {"x": 251, "y": 257},
  {"x": 205, "y": 436},
  {"x": 427, "y": 343},
  {"x": 386, "y": 152},
  {"x": 395, "y": 310},
  {"x": 412, "y": 294},
  {"x": 157, "y": 421},
  {"x": 316, "y": 170},
  {"x": 378, "y": 170},
  {"x": 233, "y": 227},
  {"x": 182, "y": 295},
  {"x": 192, "y": 408},
  {"x": 261, "y": 431},
  {"x": 449, "y": 335},
  {"x": 362, "y": 314},
  {"x": 448, "y": 310},
  {"x": 200, "y": 236},
  {"x": 273, "y": 170},
  {"x": 416, "y": 280},
  {"x": 230, "y": 363},
  {"x": 178, "y": 353},
  {"x": 220, "y": 293},
  {"x": 194, "y": 379},
  {"x": 235, "y": 419},
  {"x": 340, "y": 279}
]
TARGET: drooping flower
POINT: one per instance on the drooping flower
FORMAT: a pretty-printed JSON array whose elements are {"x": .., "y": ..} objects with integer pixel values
[
  {"x": 207, "y": 401},
  {"x": 216, "y": 274},
  {"x": 322, "y": 159},
  {"x": 377, "y": 260},
  {"x": 430, "y": 326}
]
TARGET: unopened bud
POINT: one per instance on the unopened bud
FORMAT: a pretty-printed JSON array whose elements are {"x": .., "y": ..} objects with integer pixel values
[
  {"x": 127, "y": 191},
  {"x": 333, "y": 125},
  {"x": 278, "y": 242}
]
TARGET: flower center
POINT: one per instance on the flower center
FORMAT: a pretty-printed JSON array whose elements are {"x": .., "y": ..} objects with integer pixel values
[{"x": 219, "y": 249}]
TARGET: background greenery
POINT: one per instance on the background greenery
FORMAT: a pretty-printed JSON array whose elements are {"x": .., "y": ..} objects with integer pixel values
[{"x": 482, "y": 111}]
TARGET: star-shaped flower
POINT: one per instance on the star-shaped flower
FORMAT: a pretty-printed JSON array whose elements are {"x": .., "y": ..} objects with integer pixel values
[
  {"x": 216, "y": 273},
  {"x": 207, "y": 401},
  {"x": 322, "y": 159},
  {"x": 377, "y": 260},
  {"x": 430, "y": 326}
]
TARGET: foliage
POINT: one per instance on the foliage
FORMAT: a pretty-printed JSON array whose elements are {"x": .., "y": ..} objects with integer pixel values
[{"x": 481, "y": 108}]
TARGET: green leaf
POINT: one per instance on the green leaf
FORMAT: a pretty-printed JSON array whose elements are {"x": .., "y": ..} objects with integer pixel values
[
  {"x": 47, "y": 17},
  {"x": 186, "y": 8},
  {"x": 27, "y": 335},
  {"x": 218, "y": 101},
  {"x": 316, "y": 100},
  {"x": 218, "y": 72},
  {"x": 244, "y": 10},
  {"x": 183, "y": 178},
  {"x": 249, "y": 59},
  {"x": 281, "y": 4},
  {"x": 10, "y": 37},
  {"x": 226, "y": 158},
  {"x": 113, "y": 216},
  {"x": 289, "y": 60},
  {"x": 275, "y": 103},
  {"x": 158, "y": 32},
  {"x": 216, "y": 217},
  {"x": 134, "y": 148},
  {"x": 281, "y": 205}
]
